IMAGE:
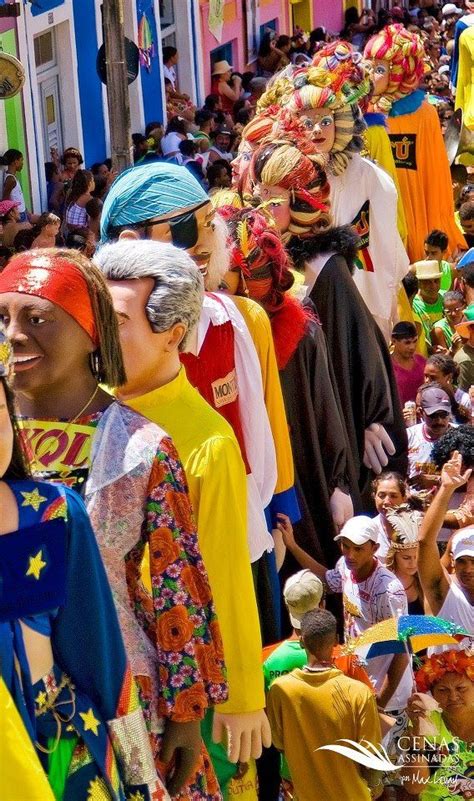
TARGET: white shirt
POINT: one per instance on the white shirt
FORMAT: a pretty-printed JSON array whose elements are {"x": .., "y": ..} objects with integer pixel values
[
  {"x": 368, "y": 602},
  {"x": 170, "y": 143},
  {"x": 170, "y": 73},
  {"x": 462, "y": 398},
  {"x": 16, "y": 194},
  {"x": 419, "y": 451},
  {"x": 382, "y": 539},
  {"x": 457, "y": 609}
]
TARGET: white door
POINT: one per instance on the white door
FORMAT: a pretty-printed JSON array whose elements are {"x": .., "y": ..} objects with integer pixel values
[{"x": 51, "y": 115}]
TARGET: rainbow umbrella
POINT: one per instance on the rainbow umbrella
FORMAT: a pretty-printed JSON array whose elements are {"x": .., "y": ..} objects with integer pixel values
[
  {"x": 407, "y": 632},
  {"x": 146, "y": 44}
]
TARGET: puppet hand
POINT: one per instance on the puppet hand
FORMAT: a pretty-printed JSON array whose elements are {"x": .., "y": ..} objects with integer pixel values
[
  {"x": 181, "y": 741},
  {"x": 377, "y": 445},
  {"x": 244, "y": 733},
  {"x": 341, "y": 507}
]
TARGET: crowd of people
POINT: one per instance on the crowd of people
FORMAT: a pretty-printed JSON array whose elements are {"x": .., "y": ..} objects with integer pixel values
[{"x": 237, "y": 441}]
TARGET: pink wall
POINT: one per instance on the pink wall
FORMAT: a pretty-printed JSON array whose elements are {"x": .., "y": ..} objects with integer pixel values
[
  {"x": 7, "y": 24},
  {"x": 328, "y": 13},
  {"x": 234, "y": 31}
]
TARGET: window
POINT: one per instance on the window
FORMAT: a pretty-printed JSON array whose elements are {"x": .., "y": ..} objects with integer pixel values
[
  {"x": 167, "y": 19},
  {"x": 222, "y": 53},
  {"x": 45, "y": 51},
  {"x": 271, "y": 25}
]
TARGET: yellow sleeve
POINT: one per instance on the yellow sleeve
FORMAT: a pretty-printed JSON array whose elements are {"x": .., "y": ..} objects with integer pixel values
[
  {"x": 222, "y": 532},
  {"x": 21, "y": 775},
  {"x": 464, "y": 89},
  {"x": 379, "y": 149},
  {"x": 405, "y": 311},
  {"x": 261, "y": 333}
]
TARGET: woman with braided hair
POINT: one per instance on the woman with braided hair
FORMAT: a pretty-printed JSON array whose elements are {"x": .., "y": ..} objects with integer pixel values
[
  {"x": 356, "y": 347},
  {"x": 324, "y": 470},
  {"x": 320, "y": 113},
  {"x": 397, "y": 58}
]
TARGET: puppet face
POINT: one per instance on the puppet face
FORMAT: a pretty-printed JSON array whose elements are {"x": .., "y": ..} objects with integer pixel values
[
  {"x": 320, "y": 123},
  {"x": 144, "y": 350},
  {"x": 6, "y": 433},
  {"x": 380, "y": 75},
  {"x": 241, "y": 161},
  {"x": 48, "y": 344},
  {"x": 278, "y": 203},
  {"x": 191, "y": 230}
]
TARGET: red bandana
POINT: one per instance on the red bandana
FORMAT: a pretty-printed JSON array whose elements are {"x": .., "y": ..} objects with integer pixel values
[{"x": 53, "y": 278}]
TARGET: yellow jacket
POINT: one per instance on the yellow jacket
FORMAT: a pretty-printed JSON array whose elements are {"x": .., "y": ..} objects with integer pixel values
[{"x": 216, "y": 478}]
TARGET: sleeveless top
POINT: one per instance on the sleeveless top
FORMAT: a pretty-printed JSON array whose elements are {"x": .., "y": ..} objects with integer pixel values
[
  {"x": 17, "y": 193},
  {"x": 457, "y": 609}
]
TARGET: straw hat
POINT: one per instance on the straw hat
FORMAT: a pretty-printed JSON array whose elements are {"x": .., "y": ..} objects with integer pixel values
[
  {"x": 220, "y": 67},
  {"x": 425, "y": 270}
]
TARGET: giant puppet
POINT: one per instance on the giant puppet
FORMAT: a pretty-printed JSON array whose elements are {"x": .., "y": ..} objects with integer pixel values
[
  {"x": 397, "y": 58},
  {"x": 165, "y": 203},
  {"x": 260, "y": 269},
  {"x": 319, "y": 109},
  {"x": 376, "y": 141},
  {"x": 285, "y": 176}
]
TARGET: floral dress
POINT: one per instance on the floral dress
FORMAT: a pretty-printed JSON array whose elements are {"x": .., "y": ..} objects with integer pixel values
[{"x": 136, "y": 494}]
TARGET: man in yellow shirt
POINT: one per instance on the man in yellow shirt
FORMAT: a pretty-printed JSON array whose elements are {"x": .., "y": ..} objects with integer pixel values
[
  {"x": 317, "y": 705},
  {"x": 157, "y": 293}
]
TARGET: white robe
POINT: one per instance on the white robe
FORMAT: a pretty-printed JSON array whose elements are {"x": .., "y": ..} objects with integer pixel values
[
  {"x": 363, "y": 182},
  {"x": 259, "y": 445}
]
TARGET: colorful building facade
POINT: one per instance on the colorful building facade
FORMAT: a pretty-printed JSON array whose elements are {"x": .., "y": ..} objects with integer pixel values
[{"x": 64, "y": 103}]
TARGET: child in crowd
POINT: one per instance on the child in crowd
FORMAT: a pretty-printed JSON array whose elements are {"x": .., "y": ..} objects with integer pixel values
[
  {"x": 410, "y": 284},
  {"x": 443, "y": 370},
  {"x": 444, "y": 338},
  {"x": 436, "y": 249},
  {"x": 408, "y": 365},
  {"x": 428, "y": 302},
  {"x": 47, "y": 231},
  {"x": 371, "y": 593}
]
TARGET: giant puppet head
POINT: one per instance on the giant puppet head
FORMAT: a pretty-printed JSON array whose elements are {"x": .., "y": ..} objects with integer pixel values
[
  {"x": 291, "y": 186},
  {"x": 166, "y": 203},
  {"x": 319, "y": 105},
  {"x": 396, "y": 57}
]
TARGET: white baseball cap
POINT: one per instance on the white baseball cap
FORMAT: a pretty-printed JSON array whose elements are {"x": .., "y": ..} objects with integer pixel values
[
  {"x": 462, "y": 543},
  {"x": 359, "y": 530},
  {"x": 302, "y": 593},
  {"x": 450, "y": 8}
]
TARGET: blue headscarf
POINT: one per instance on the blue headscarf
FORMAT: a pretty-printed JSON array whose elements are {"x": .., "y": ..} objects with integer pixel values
[{"x": 147, "y": 191}]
